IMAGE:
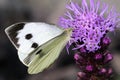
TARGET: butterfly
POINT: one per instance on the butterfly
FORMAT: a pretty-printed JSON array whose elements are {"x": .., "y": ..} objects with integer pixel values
[{"x": 39, "y": 44}]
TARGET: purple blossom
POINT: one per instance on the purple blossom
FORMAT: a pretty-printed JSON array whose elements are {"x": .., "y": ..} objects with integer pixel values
[{"x": 89, "y": 24}]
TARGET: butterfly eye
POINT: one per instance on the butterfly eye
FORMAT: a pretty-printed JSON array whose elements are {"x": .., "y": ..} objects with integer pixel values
[
  {"x": 34, "y": 45},
  {"x": 28, "y": 36}
]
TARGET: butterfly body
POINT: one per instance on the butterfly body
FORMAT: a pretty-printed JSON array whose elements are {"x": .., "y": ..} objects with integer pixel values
[{"x": 38, "y": 42}]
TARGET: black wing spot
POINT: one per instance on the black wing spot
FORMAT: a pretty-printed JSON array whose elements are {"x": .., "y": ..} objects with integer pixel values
[
  {"x": 28, "y": 36},
  {"x": 13, "y": 32},
  {"x": 39, "y": 52},
  {"x": 34, "y": 45}
]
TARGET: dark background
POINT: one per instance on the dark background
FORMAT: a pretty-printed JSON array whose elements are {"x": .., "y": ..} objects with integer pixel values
[{"x": 12, "y": 11}]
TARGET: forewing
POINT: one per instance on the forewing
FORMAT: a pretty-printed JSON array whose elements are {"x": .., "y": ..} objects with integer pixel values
[
  {"x": 49, "y": 53},
  {"x": 26, "y": 37}
]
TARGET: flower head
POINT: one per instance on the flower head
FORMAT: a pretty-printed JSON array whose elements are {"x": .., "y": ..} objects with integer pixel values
[{"x": 89, "y": 24}]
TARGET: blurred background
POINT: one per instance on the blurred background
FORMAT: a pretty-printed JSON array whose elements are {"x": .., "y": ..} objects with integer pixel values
[{"x": 12, "y": 11}]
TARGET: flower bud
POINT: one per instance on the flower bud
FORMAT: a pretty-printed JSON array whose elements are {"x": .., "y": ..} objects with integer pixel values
[
  {"x": 82, "y": 50},
  {"x": 98, "y": 56},
  {"x": 110, "y": 71},
  {"x": 81, "y": 74},
  {"x": 103, "y": 71},
  {"x": 89, "y": 68},
  {"x": 108, "y": 57},
  {"x": 76, "y": 56},
  {"x": 106, "y": 40}
]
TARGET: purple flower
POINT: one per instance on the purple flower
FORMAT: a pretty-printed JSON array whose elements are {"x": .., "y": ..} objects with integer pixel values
[{"x": 89, "y": 24}]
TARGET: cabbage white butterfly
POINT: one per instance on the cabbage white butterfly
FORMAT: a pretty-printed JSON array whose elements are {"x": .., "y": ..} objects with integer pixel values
[{"x": 38, "y": 44}]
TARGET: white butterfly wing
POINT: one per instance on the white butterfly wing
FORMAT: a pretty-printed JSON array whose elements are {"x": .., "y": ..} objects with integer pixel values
[
  {"x": 26, "y": 37},
  {"x": 50, "y": 51}
]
